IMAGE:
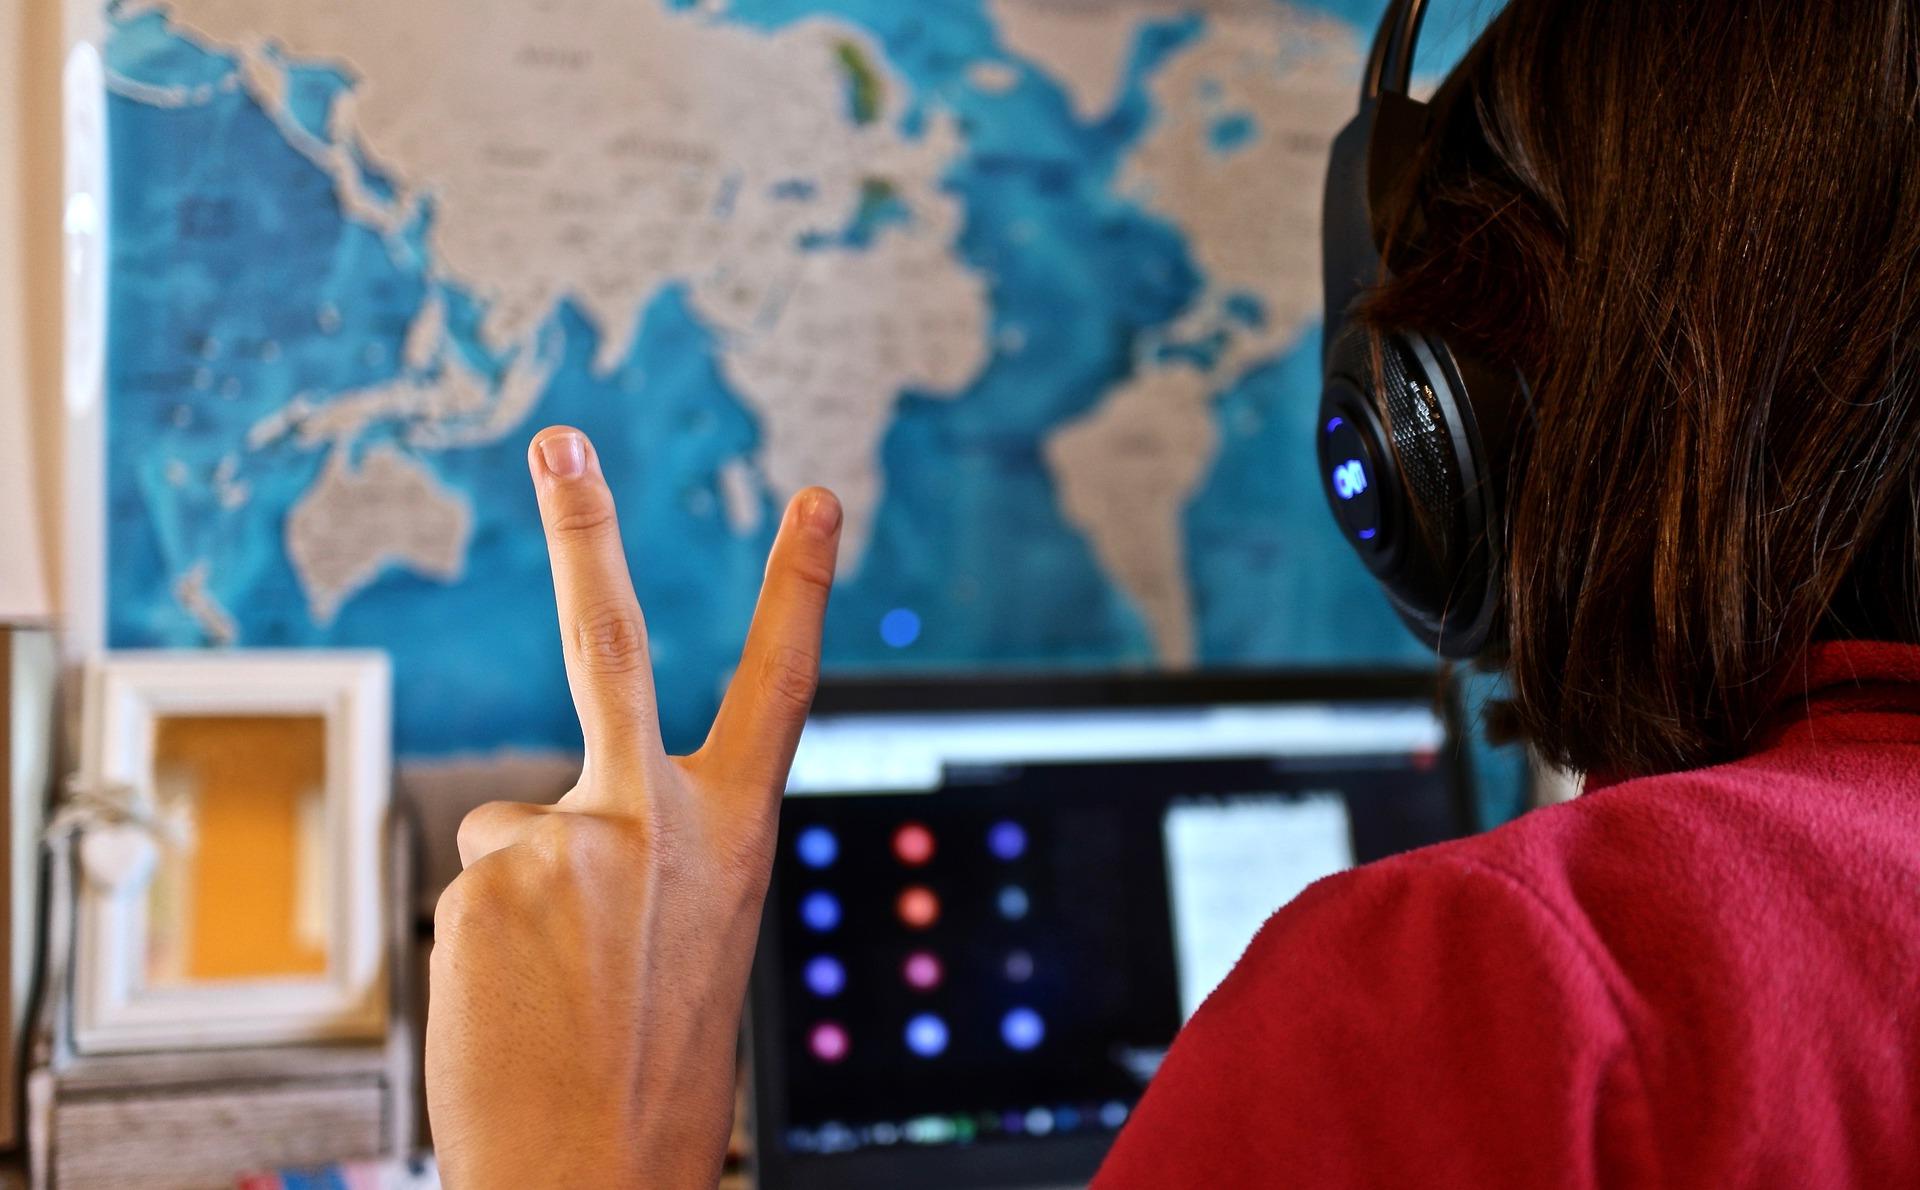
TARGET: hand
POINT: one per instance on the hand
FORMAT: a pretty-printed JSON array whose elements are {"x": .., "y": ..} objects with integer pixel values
[{"x": 590, "y": 962}]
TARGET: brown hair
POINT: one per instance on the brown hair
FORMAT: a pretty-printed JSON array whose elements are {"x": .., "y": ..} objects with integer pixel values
[{"x": 1694, "y": 226}]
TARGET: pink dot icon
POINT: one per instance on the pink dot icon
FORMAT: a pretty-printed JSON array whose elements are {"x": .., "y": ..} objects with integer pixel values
[
  {"x": 828, "y": 1042},
  {"x": 922, "y": 971}
]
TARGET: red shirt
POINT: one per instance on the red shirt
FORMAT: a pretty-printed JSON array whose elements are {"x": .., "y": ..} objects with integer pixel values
[{"x": 1708, "y": 978}]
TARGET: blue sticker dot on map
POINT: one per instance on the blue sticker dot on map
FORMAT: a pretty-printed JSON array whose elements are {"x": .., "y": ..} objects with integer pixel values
[{"x": 900, "y": 627}]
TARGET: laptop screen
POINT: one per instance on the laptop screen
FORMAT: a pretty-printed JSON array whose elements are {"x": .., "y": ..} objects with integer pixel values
[{"x": 989, "y": 920}]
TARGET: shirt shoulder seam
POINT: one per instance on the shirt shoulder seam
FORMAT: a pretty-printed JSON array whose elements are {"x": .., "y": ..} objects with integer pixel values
[{"x": 1557, "y": 922}]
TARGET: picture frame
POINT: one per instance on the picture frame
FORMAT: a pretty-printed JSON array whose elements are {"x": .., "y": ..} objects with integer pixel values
[{"x": 252, "y": 790}]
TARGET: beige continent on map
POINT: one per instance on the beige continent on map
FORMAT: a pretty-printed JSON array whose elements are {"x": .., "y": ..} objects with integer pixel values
[
  {"x": 190, "y": 591},
  {"x": 1251, "y": 214},
  {"x": 355, "y": 522},
  {"x": 1120, "y": 469},
  {"x": 1082, "y": 44},
  {"x": 1128, "y": 468}
]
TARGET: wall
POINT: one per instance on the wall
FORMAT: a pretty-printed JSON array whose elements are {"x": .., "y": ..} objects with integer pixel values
[
  {"x": 29, "y": 302},
  {"x": 38, "y": 443}
]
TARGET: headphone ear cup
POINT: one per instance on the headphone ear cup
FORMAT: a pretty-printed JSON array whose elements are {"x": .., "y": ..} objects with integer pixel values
[{"x": 1395, "y": 407}]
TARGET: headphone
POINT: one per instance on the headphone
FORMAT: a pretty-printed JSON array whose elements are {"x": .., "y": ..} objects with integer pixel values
[{"x": 1414, "y": 435}]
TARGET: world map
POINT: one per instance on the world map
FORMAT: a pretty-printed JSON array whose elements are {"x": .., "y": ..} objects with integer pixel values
[{"x": 1031, "y": 284}]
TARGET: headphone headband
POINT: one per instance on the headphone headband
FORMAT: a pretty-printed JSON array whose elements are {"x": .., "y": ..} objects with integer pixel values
[{"x": 1390, "y": 62}]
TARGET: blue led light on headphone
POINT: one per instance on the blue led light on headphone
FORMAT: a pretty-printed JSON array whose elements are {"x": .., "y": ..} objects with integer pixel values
[
  {"x": 1350, "y": 479},
  {"x": 1347, "y": 462}
]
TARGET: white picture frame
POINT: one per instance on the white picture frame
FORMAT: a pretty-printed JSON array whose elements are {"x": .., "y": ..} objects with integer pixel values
[{"x": 126, "y": 694}]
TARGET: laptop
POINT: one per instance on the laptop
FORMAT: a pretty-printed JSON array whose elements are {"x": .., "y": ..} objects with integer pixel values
[{"x": 996, "y": 900}]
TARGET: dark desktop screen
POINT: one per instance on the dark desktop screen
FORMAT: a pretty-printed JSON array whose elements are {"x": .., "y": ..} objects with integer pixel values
[{"x": 987, "y": 928}]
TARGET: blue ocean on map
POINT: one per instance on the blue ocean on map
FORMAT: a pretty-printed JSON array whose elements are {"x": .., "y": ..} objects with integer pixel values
[{"x": 238, "y": 284}]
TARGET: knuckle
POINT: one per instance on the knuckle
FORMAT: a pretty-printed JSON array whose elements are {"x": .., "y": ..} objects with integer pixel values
[
  {"x": 586, "y": 511},
  {"x": 553, "y": 856},
  {"x": 789, "y": 678},
  {"x": 476, "y": 823},
  {"x": 814, "y": 572},
  {"x": 568, "y": 841},
  {"x": 584, "y": 856},
  {"x": 611, "y": 638},
  {"x": 554, "y": 836},
  {"x": 448, "y": 912},
  {"x": 467, "y": 902}
]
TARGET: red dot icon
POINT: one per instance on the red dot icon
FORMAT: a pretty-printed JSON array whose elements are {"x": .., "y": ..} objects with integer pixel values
[
  {"x": 922, "y": 971},
  {"x": 913, "y": 844},
  {"x": 918, "y": 907}
]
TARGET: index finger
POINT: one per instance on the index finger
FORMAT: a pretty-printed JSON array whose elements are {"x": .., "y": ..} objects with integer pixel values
[{"x": 601, "y": 630}]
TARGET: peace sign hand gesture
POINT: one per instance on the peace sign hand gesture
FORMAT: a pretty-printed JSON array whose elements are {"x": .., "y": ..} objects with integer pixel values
[{"x": 590, "y": 962}]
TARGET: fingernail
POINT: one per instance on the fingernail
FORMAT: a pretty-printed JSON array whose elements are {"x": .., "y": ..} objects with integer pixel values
[
  {"x": 821, "y": 512},
  {"x": 565, "y": 455}
]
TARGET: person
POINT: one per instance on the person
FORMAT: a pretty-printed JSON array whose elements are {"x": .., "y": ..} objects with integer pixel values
[{"x": 1693, "y": 226}]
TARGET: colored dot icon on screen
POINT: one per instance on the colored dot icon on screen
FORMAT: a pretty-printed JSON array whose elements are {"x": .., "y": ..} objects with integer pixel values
[
  {"x": 1022, "y": 1029},
  {"x": 817, "y": 847},
  {"x": 913, "y": 845},
  {"x": 829, "y": 1042},
  {"x": 826, "y": 976},
  {"x": 900, "y": 627},
  {"x": 927, "y": 1035},
  {"x": 1019, "y": 966},
  {"x": 1012, "y": 902},
  {"x": 918, "y": 907},
  {"x": 922, "y": 971},
  {"x": 1007, "y": 840},
  {"x": 820, "y": 910}
]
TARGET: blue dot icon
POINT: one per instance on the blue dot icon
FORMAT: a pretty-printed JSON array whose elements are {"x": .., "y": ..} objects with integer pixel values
[
  {"x": 900, "y": 627},
  {"x": 1007, "y": 840},
  {"x": 817, "y": 847},
  {"x": 1022, "y": 1029},
  {"x": 1013, "y": 902},
  {"x": 927, "y": 1035},
  {"x": 820, "y": 910},
  {"x": 826, "y": 976}
]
